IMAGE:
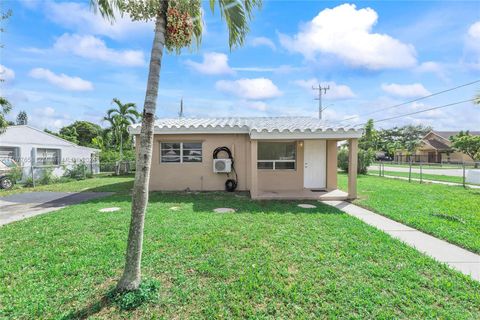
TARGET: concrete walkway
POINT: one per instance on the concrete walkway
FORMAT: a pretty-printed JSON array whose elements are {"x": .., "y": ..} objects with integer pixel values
[
  {"x": 457, "y": 258},
  {"x": 431, "y": 181},
  {"x": 25, "y": 205}
]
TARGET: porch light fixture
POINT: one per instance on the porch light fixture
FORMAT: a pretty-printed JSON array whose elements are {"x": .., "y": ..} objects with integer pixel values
[{"x": 300, "y": 144}]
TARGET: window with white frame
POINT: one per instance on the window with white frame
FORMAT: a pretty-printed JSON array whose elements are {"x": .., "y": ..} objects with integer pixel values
[
  {"x": 180, "y": 152},
  {"x": 276, "y": 155},
  {"x": 48, "y": 156}
]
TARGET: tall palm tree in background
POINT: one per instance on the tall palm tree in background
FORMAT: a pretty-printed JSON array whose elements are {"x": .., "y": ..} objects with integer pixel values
[
  {"x": 177, "y": 24},
  {"x": 120, "y": 118}
]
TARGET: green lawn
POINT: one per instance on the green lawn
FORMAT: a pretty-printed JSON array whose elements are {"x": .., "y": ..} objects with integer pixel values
[
  {"x": 269, "y": 260},
  {"x": 447, "y": 212},
  {"x": 102, "y": 182},
  {"x": 434, "y": 177}
]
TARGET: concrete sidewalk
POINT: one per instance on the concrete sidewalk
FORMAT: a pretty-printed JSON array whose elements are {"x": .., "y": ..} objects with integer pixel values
[{"x": 457, "y": 258}]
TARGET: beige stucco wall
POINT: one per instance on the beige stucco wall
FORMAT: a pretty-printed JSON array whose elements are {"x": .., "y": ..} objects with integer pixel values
[
  {"x": 200, "y": 176},
  {"x": 276, "y": 180},
  {"x": 332, "y": 150}
]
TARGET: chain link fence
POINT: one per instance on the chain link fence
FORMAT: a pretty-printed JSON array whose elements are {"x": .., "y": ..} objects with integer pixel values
[
  {"x": 27, "y": 173},
  {"x": 464, "y": 173}
]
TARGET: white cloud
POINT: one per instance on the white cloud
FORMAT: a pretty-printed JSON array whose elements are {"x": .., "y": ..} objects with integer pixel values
[
  {"x": 62, "y": 80},
  {"x": 255, "y": 105},
  {"x": 79, "y": 18},
  {"x": 472, "y": 45},
  {"x": 250, "y": 89},
  {"x": 6, "y": 74},
  {"x": 94, "y": 48},
  {"x": 346, "y": 33},
  {"x": 336, "y": 91},
  {"x": 48, "y": 117},
  {"x": 432, "y": 67},
  {"x": 405, "y": 90},
  {"x": 213, "y": 63},
  {"x": 263, "y": 41}
]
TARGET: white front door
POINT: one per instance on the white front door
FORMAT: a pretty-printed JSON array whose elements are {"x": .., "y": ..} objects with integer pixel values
[{"x": 315, "y": 164}]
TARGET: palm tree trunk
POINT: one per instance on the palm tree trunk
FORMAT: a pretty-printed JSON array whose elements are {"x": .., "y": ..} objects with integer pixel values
[{"x": 132, "y": 273}]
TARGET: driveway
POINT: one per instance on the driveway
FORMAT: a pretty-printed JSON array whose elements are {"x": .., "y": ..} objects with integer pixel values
[
  {"x": 24, "y": 205},
  {"x": 443, "y": 172}
]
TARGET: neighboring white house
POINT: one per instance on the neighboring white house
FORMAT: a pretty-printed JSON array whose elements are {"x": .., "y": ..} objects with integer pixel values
[{"x": 31, "y": 147}]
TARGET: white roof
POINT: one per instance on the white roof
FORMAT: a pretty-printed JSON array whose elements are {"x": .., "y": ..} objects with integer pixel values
[
  {"x": 257, "y": 127},
  {"x": 28, "y": 135}
]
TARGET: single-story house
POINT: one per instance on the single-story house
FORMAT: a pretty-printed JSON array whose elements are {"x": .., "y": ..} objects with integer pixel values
[
  {"x": 36, "y": 149},
  {"x": 436, "y": 147},
  {"x": 273, "y": 158}
]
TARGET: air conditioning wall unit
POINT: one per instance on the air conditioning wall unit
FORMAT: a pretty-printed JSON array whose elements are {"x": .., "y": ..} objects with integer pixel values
[{"x": 222, "y": 165}]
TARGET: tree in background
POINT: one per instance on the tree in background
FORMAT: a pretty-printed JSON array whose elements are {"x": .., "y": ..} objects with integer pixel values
[
  {"x": 5, "y": 108},
  {"x": 22, "y": 118},
  {"x": 5, "y": 105},
  {"x": 120, "y": 118},
  {"x": 177, "y": 24},
  {"x": 468, "y": 144},
  {"x": 81, "y": 132},
  {"x": 369, "y": 139},
  {"x": 401, "y": 138}
]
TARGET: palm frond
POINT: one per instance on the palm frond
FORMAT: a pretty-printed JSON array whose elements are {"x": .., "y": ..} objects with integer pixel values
[
  {"x": 237, "y": 15},
  {"x": 107, "y": 8}
]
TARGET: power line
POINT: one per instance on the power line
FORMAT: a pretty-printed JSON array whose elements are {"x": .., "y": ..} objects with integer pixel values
[
  {"x": 411, "y": 101},
  {"x": 420, "y": 111}
]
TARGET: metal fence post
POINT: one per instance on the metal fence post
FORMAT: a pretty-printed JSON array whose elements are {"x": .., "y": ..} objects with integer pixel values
[
  {"x": 463, "y": 167},
  {"x": 410, "y": 171},
  {"x": 421, "y": 176},
  {"x": 33, "y": 175}
]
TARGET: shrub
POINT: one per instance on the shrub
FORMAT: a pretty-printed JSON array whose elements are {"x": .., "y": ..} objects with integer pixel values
[
  {"x": 78, "y": 171},
  {"x": 16, "y": 173},
  {"x": 47, "y": 176},
  {"x": 365, "y": 158},
  {"x": 147, "y": 292}
]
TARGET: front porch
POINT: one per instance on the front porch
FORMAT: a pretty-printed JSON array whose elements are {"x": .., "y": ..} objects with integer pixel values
[
  {"x": 334, "y": 195},
  {"x": 313, "y": 177}
]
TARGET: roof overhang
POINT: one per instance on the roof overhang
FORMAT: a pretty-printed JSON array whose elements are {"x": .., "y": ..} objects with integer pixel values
[{"x": 298, "y": 135}]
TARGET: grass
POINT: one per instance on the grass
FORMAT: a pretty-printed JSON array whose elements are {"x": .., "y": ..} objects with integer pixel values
[
  {"x": 101, "y": 182},
  {"x": 270, "y": 259},
  {"x": 447, "y": 212},
  {"x": 433, "y": 177}
]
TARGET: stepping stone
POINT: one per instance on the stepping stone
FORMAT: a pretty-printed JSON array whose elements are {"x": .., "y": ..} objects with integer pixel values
[
  {"x": 175, "y": 208},
  {"x": 307, "y": 206},
  {"x": 224, "y": 210},
  {"x": 112, "y": 209}
]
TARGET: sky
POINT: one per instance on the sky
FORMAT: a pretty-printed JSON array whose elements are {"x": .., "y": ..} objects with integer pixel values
[{"x": 61, "y": 62}]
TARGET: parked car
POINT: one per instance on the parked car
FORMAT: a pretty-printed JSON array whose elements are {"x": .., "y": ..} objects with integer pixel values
[{"x": 7, "y": 168}]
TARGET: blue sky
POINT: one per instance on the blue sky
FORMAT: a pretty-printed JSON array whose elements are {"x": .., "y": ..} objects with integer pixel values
[{"x": 63, "y": 63}]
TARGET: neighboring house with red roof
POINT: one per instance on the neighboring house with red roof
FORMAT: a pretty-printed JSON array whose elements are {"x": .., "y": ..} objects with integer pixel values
[{"x": 436, "y": 147}]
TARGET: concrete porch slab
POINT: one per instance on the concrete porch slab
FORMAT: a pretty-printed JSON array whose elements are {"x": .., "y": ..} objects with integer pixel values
[{"x": 302, "y": 195}]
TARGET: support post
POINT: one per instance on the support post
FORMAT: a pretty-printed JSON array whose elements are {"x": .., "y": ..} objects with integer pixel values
[
  {"x": 332, "y": 165},
  {"x": 253, "y": 169},
  {"x": 352, "y": 168}
]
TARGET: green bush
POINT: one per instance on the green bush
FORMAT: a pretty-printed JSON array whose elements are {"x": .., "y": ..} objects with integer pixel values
[
  {"x": 365, "y": 159},
  {"x": 78, "y": 171},
  {"x": 16, "y": 174},
  {"x": 47, "y": 176},
  {"x": 147, "y": 292}
]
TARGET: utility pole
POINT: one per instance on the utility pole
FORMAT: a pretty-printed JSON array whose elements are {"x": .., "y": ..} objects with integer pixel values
[
  {"x": 321, "y": 91},
  {"x": 180, "y": 113}
]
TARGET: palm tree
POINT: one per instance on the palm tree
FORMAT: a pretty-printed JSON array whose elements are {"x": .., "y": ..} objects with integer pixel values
[
  {"x": 120, "y": 118},
  {"x": 183, "y": 25}
]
